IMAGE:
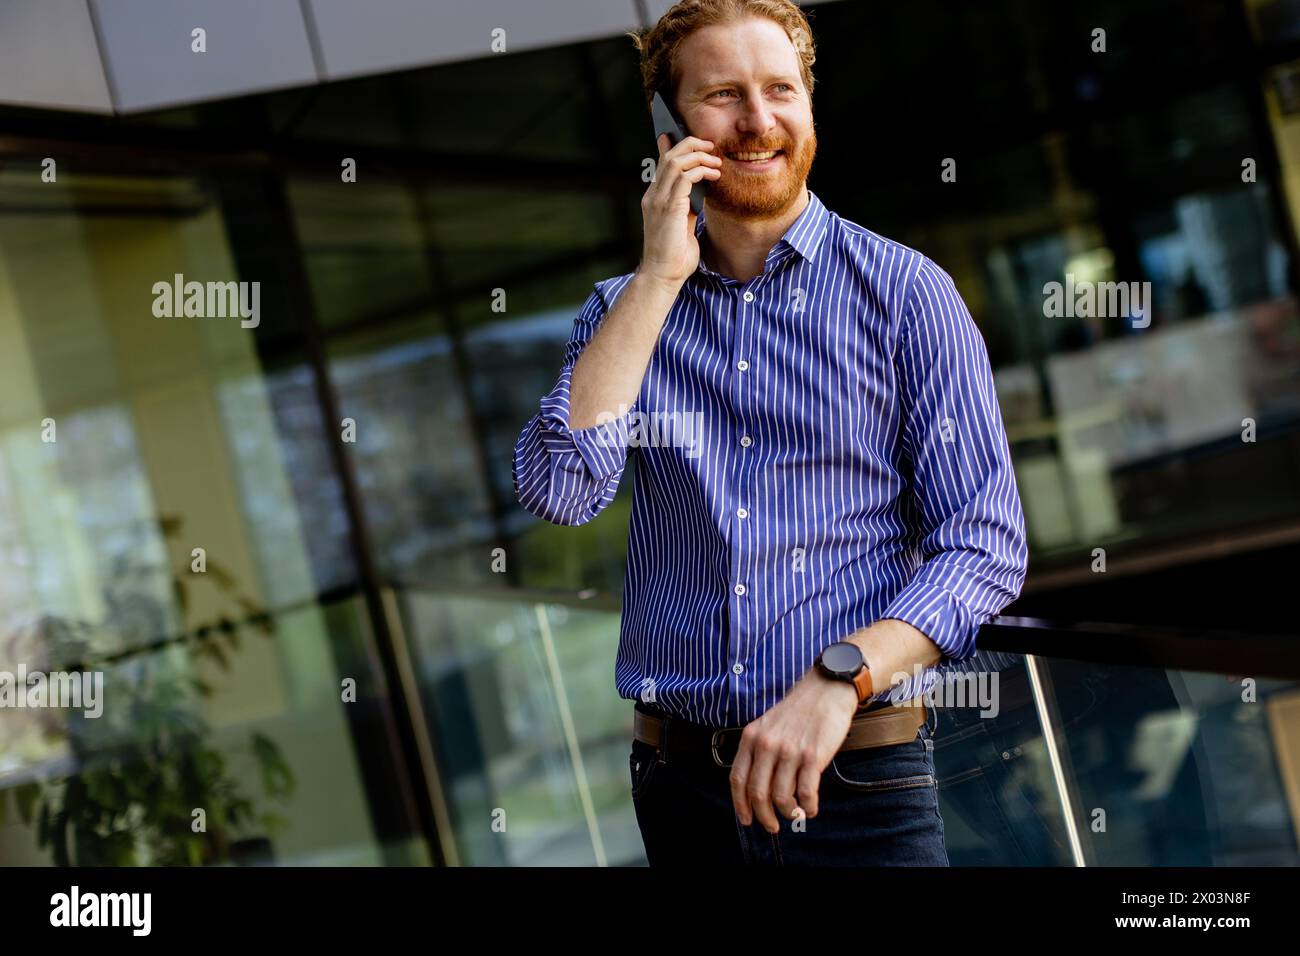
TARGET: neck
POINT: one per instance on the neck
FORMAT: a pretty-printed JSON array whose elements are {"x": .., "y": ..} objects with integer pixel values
[{"x": 737, "y": 247}]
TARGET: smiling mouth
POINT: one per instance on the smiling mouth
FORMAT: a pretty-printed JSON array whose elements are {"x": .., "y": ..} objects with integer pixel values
[{"x": 755, "y": 158}]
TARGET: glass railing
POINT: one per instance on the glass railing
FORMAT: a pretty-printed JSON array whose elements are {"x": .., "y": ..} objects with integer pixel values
[
  {"x": 1073, "y": 758},
  {"x": 1142, "y": 766},
  {"x": 531, "y": 742},
  {"x": 1091, "y": 760}
]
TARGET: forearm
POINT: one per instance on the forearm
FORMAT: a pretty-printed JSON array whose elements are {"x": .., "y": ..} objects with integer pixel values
[
  {"x": 895, "y": 651},
  {"x": 607, "y": 376}
]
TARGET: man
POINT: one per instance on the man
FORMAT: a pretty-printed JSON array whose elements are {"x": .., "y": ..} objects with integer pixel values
[{"x": 842, "y": 513}]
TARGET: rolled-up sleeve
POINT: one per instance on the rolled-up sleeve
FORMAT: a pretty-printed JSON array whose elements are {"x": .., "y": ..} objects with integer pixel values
[
  {"x": 971, "y": 525},
  {"x": 567, "y": 476}
]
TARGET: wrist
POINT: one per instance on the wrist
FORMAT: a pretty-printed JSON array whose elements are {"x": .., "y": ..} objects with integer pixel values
[
  {"x": 658, "y": 283},
  {"x": 844, "y": 662},
  {"x": 844, "y": 694}
]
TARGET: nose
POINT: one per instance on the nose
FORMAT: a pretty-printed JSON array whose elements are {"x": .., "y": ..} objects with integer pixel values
[{"x": 757, "y": 120}]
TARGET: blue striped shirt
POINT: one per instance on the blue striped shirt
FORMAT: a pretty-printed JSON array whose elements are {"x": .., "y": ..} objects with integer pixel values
[{"x": 817, "y": 448}]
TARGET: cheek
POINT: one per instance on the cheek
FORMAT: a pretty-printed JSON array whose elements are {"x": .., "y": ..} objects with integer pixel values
[
  {"x": 799, "y": 133},
  {"x": 710, "y": 127},
  {"x": 808, "y": 145}
]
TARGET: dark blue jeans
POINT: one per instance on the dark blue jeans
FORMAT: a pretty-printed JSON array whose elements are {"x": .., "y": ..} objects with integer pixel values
[{"x": 878, "y": 806}]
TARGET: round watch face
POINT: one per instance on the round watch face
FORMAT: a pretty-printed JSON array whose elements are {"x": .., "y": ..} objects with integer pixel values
[{"x": 842, "y": 658}]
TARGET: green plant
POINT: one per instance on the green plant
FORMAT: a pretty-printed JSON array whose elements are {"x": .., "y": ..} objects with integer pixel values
[{"x": 144, "y": 766}]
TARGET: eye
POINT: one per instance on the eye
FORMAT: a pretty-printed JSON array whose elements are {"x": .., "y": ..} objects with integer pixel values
[
  {"x": 716, "y": 92},
  {"x": 785, "y": 86}
]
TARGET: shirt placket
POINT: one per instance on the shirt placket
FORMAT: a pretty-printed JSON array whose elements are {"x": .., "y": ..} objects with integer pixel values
[{"x": 740, "y": 494}]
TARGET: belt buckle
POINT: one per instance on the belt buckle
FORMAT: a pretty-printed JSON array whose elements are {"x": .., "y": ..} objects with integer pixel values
[{"x": 713, "y": 746}]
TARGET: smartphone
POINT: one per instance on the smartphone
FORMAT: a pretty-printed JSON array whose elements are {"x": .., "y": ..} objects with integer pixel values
[{"x": 666, "y": 122}]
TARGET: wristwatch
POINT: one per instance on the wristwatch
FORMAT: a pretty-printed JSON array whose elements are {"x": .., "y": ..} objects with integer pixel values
[{"x": 843, "y": 660}]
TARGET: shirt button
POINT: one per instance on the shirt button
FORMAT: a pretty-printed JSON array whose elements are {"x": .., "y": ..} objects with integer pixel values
[
  {"x": 737, "y": 668},
  {"x": 742, "y": 365},
  {"x": 746, "y": 440},
  {"x": 742, "y": 513},
  {"x": 739, "y": 589},
  {"x": 749, "y": 297}
]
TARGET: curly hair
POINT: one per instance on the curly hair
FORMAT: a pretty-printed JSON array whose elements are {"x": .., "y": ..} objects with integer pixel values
[{"x": 659, "y": 44}]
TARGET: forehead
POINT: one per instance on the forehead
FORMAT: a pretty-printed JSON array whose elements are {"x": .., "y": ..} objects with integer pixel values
[{"x": 727, "y": 52}]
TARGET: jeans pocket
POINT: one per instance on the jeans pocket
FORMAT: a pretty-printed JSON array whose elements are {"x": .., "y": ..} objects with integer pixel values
[
  {"x": 904, "y": 766},
  {"x": 642, "y": 762}
]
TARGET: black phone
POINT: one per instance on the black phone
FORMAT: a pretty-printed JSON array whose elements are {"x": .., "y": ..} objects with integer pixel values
[{"x": 667, "y": 122}]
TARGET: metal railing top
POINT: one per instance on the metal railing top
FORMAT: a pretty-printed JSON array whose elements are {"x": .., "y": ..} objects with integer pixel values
[{"x": 1217, "y": 651}]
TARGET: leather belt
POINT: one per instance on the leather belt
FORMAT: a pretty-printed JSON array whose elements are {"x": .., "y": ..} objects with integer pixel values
[{"x": 876, "y": 725}]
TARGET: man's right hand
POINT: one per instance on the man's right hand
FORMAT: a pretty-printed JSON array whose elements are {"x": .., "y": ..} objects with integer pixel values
[{"x": 671, "y": 252}]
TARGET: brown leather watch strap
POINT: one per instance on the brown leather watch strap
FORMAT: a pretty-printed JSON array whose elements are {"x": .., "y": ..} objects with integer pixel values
[{"x": 863, "y": 683}]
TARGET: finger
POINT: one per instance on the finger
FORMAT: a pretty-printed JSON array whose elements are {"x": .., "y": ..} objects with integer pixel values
[
  {"x": 688, "y": 152},
  {"x": 670, "y": 170},
  {"x": 783, "y": 780},
  {"x": 694, "y": 158},
  {"x": 690, "y": 144},
  {"x": 666, "y": 191},
  {"x": 683, "y": 147},
  {"x": 682, "y": 185},
  {"x": 740, "y": 768},
  {"x": 759, "y": 788},
  {"x": 810, "y": 779}
]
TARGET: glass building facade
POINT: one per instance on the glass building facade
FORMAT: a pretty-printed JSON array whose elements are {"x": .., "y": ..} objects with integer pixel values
[{"x": 293, "y": 549}]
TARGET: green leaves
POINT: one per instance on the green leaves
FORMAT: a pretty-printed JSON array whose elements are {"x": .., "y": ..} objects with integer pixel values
[
  {"x": 145, "y": 765},
  {"x": 277, "y": 777}
]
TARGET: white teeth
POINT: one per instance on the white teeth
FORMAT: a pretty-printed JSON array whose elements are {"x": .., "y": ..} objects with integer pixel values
[{"x": 751, "y": 157}]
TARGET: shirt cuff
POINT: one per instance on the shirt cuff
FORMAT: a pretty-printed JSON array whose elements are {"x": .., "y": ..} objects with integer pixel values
[
  {"x": 600, "y": 449},
  {"x": 938, "y": 614}
]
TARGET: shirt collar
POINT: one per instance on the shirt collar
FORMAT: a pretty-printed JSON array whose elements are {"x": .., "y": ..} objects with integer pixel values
[{"x": 805, "y": 233}]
